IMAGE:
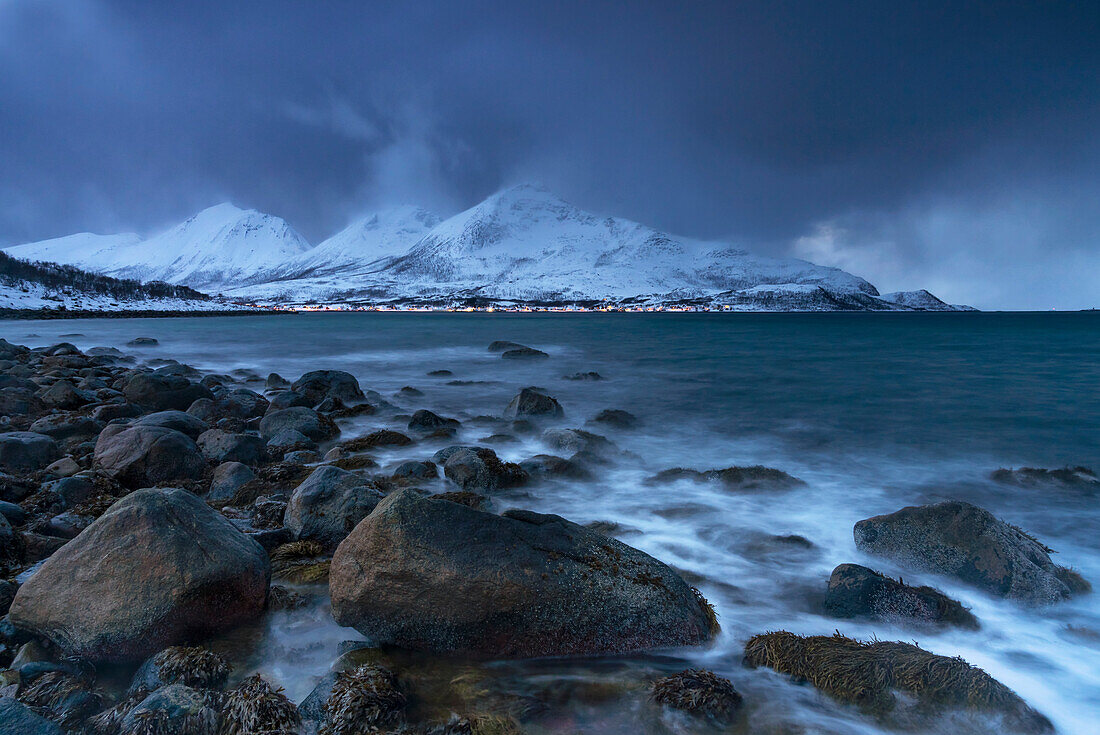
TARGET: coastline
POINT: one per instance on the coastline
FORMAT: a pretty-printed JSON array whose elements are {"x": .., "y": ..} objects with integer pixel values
[{"x": 32, "y": 314}]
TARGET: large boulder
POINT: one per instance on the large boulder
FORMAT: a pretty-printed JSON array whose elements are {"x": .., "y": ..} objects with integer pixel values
[
  {"x": 146, "y": 455},
  {"x": 223, "y": 446},
  {"x": 328, "y": 505},
  {"x": 161, "y": 392},
  {"x": 531, "y": 402},
  {"x": 61, "y": 426},
  {"x": 301, "y": 419},
  {"x": 318, "y": 385},
  {"x": 26, "y": 450},
  {"x": 179, "y": 420},
  {"x": 228, "y": 478},
  {"x": 969, "y": 543},
  {"x": 63, "y": 395},
  {"x": 442, "y": 577},
  {"x": 159, "y": 568},
  {"x": 479, "y": 469}
]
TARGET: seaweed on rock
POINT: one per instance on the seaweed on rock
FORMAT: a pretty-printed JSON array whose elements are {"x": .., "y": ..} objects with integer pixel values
[
  {"x": 699, "y": 692},
  {"x": 63, "y": 697},
  {"x": 195, "y": 666},
  {"x": 363, "y": 700},
  {"x": 867, "y": 674},
  {"x": 255, "y": 707},
  {"x": 300, "y": 561}
]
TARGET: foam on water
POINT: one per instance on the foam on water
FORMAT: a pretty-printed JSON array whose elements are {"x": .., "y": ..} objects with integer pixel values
[{"x": 873, "y": 412}]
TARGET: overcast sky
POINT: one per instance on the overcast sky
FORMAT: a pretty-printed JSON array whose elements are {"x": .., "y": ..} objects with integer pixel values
[{"x": 947, "y": 145}]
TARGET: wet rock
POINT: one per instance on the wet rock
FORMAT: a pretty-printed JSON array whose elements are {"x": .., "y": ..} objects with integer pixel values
[
  {"x": 616, "y": 418},
  {"x": 572, "y": 441},
  {"x": 63, "y": 395},
  {"x": 142, "y": 342},
  {"x": 19, "y": 402},
  {"x": 1077, "y": 478},
  {"x": 159, "y": 392},
  {"x": 438, "y": 576},
  {"x": 533, "y": 403},
  {"x": 229, "y": 477},
  {"x": 74, "y": 491},
  {"x": 856, "y": 591},
  {"x": 282, "y": 399},
  {"x": 12, "y": 512},
  {"x": 328, "y": 504},
  {"x": 440, "y": 373},
  {"x": 969, "y": 543},
  {"x": 220, "y": 446},
  {"x": 289, "y": 440},
  {"x": 67, "y": 525},
  {"x": 733, "y": 478},
  {"x": 161, "y": 567},
  {"x": 502, "y": 345},
  {"x": 380, "y": 438},
  {"x": 409, "y": 392},
  {"x": 141, "y": 456},
  {"x": 480, "y": 470},
  {"x": 18, "y": 719},
  {"x": 462, "y": 497},
  {"x": 172, "y": 709},
  {"x": 548, "y": 465},
  {"x": 192, "y": 666},
  {"x": 868, "y": 674},
  {"x": 321, "y": 384},
  {"x": 274, "y": 380},
  {"x": 301, "y": 419},
  {"x": 416, "y": 471},
  {"x": 301, "y": 562},
  {"x": 112, "y": 411},
  {"x": 23, "y": 451},
  {"x": 64, "y": 467},
  {"x": 590, "y": 375},
  {"x": 699, "y": 692},
  {"x": 524, "y": 353},
  {"x": 63, "y": 427},
  {"x": 426, "y": 421},
  {"x": 364, "y": 699}
]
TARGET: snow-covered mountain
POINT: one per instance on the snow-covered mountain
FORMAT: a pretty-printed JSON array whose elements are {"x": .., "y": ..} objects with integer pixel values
[
  {"x": 220, "y": 247},
  {"x": 922, "y": 300},
  {"x": 521, "y": 245},
  {"x": 366, "y": 244}
]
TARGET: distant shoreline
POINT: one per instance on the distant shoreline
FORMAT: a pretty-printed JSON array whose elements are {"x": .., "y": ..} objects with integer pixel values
[{"x": 31, "y": 314}]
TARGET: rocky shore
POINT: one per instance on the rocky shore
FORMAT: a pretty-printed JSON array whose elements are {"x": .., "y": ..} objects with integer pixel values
[{"x": 149, "y": 512}]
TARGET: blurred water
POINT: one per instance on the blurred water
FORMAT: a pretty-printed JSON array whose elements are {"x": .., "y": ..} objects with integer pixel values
[{"x": 873, "y": 411}]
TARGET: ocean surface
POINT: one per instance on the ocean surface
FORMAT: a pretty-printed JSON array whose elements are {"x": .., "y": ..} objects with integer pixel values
[{"x": 873, "y": 411}]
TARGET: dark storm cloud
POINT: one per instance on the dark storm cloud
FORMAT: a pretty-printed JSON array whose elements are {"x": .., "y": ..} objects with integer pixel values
[{"x": 904, "y": 140}]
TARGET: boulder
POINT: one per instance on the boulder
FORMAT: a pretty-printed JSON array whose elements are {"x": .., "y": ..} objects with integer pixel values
[
  {"x": 301, "y": 419},
  {"x": 26, "y": 451},
  {"x": 143, "y": 342},
  {"x": 17, "y": 718},
  {"x": 61, "y": 426},
  {"x": 175, "y": 708},
  {"x": 274, "y": 380},
  {"x": 162, "y": 392},
  {"x": 140, "y": 456},
  {"x": 571, "y": 441},
  {"x": 181, "y": 421},
  {"x": 416, "y": 471},
  {"x": 328, "y": 504},
  {"x": 858, "y": 592},
  {"x": 280, "y": 399},
  {"x": 63, "y": 395},
  {"x": 524, "y": 353},
  {"x": 549, "y": 465},
  {"x": 159, "y": 568},
  {"x": 221, "y": 446},
  {"x": 289, "y": 440},
  {"x": 426, "y": 421},
  {"x": 112, "y": 411},
  {"x": 321, "y": 384},
  {"x": 480, "y": 470},
  {"x": 532, "y": 402},
  {"x": 503, "y": 345},
  {"x": 969, "y": 543},
  {"x": 64, "y": 467},
  {"x": 756, "y": 477},
  {"x": 229, "y": 477},
  {"x": 616, "y": 418},
  {"x": 19, "y": 402},
  {"x": 442, "y": 577}
]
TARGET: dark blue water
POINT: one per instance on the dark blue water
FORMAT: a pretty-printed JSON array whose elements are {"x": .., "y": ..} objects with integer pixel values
[{"x": 873, "y": 411}]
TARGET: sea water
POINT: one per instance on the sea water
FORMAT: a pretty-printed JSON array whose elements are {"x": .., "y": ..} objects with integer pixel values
[{"x": 873, "y": 411}]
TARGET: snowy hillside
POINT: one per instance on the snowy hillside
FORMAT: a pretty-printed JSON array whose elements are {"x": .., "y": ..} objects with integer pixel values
[
  {"x": 27, "y": 285},
  {"x": 219, "y": 247},
  {"x": 922, "y": 300}
]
